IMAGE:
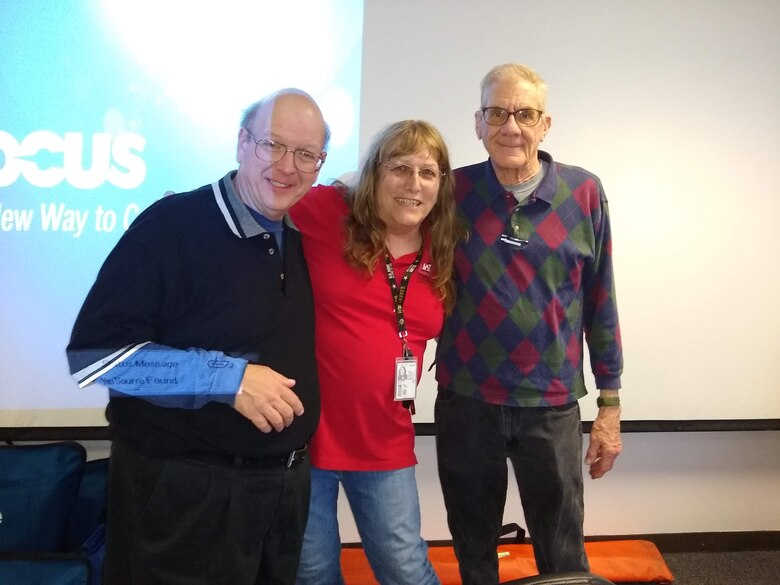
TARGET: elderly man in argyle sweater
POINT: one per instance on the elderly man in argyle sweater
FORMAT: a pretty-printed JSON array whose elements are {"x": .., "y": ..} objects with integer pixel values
[{"x": 534, "y": 280}]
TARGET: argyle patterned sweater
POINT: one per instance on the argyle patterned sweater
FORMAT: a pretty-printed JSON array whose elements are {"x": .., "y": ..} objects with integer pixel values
[{"x": 515, "y": 337}]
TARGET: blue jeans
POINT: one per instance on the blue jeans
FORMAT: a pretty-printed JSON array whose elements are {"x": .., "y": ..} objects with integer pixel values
[
  {"x": 473, "y": 441},
  {"x": 386, "y": 509}
]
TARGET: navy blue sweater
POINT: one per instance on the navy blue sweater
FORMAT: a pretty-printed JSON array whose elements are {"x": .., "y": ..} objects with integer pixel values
[{"x": 196, "y": 271}]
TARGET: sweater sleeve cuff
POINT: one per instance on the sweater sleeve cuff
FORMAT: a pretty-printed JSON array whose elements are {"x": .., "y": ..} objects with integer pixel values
[{"x": 608, "y": 382}]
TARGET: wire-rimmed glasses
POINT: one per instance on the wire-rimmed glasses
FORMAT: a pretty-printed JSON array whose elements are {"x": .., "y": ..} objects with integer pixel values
[
  {"x": 523, "y": 117},
  {"x": 405, "y": 172},
  {"x": 273, "y": 151}
]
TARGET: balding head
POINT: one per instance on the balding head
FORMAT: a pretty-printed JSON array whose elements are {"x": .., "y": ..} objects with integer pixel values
[
  {"x": 267, "y": 101},
  {"x": 281, "y": 136}
]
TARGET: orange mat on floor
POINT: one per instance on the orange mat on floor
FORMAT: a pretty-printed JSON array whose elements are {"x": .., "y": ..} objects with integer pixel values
[{"x": 620, "y": 561}]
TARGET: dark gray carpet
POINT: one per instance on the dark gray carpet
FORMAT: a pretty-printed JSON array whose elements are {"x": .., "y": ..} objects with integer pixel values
[{"x": 725, "y": 568}]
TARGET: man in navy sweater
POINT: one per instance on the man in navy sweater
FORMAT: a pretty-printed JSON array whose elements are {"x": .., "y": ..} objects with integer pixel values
[{"x": 201, "y": 325}]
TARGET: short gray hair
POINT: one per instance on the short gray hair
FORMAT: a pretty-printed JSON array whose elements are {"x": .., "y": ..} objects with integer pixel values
[{"x": 513, "y": 72}]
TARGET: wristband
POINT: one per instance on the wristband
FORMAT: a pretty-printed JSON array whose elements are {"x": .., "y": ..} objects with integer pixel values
[{"x": 608, "y": 401}]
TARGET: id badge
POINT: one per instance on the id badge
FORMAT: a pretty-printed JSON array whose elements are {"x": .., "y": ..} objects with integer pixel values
[{"x": 405, "y": 378}]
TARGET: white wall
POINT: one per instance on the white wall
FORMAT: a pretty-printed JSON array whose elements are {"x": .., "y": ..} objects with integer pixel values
[
  {"x": 663, "y": 483},
  {"x": 674, "y": 105}
]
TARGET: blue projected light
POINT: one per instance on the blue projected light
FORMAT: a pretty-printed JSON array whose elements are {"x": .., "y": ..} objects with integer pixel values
[{"x": 104, "y": 107}]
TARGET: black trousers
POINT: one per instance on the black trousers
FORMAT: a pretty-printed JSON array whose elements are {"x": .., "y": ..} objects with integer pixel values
[
  {"x": 185, "y": 522},
  {"x": 473, "y": 441}
]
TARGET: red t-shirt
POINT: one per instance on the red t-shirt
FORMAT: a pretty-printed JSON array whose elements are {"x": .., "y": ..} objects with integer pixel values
[{"x": 362, "y": 428}]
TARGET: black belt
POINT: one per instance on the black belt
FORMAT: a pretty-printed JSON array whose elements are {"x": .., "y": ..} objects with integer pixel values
[{"x": 243, "y": 462}]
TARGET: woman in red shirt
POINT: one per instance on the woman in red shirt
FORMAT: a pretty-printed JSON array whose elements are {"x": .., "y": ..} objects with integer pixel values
[{"x": 380, "y": 258}]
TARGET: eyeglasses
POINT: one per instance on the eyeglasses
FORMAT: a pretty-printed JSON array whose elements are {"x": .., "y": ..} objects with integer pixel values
[
  {"x": 513, "y": 241},
  {"x": 405, "y": 172},
  {"x": 272, "y": 151},
  {"x": 518, "y": 225},
  {"x": 499, "y": 116}
]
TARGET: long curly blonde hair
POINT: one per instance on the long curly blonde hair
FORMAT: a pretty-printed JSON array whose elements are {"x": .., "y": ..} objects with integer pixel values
[{"x": 366, "y": 231}]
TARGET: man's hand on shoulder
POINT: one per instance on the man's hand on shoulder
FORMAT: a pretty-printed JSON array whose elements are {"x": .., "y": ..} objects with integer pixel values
[{"x": 266, "y": 398}]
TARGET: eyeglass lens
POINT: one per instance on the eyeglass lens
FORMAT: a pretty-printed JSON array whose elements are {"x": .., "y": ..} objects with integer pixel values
[
  {"x": 499, "y": 116},
  {"x": 406, "y": 172},
  {"x": 273, "y": 151},
  {"x": 522, "y": 228}
]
